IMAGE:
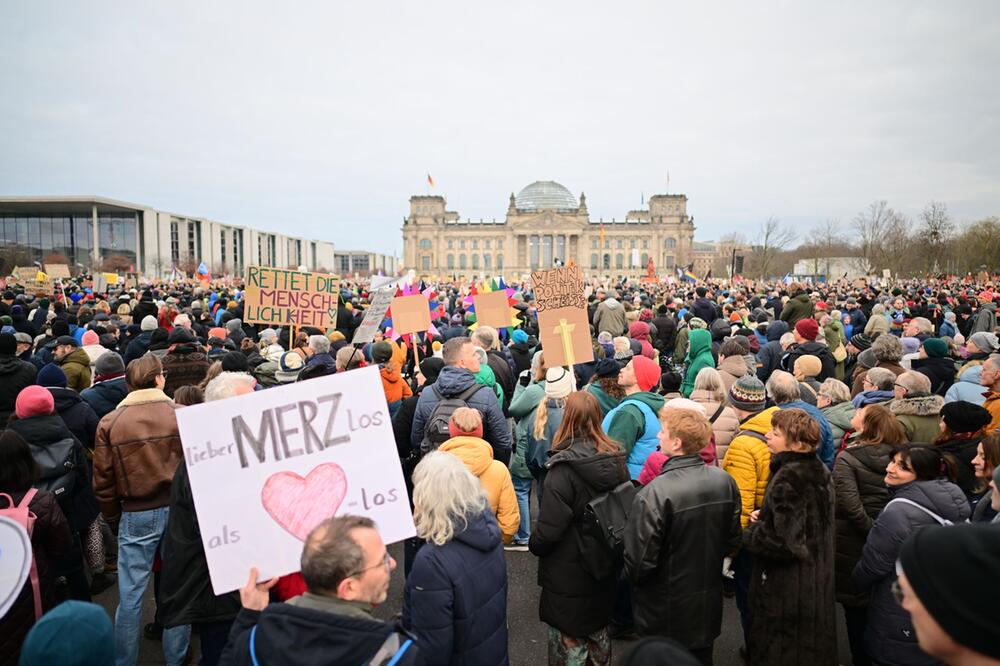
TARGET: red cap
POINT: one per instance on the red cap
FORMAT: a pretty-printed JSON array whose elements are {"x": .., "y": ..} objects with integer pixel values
[
  {"x": 34, "y": 401},
  {"x": 807, "y": 328},
  {"x": 647, "y": 373}
]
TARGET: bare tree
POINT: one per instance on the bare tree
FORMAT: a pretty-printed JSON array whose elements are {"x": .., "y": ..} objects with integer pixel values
[
  {"x": 935, "y": 233},
  {"x": 978, "y": 247},
  {"x": 772, "y": 238},
  {"x": 872, "y": 227}
]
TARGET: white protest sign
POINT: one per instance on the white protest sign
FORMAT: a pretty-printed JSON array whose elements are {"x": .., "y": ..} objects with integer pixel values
[
  {"x": 15, "y": 561},
  {"x": 267, "y": 467},
  {"x": 381, "y": 300}
]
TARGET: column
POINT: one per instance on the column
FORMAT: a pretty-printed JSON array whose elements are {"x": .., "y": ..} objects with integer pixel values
[{"x": 95, "y": 250}]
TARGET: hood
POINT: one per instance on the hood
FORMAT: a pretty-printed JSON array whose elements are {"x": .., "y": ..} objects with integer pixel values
[
  {"x": 734, "y": 365},
  {"x": 720, "y": 329},
  {"x": 454, "y": 380},
  {"x": 481, "y": 532},
  {"x": 10, "y": 364},
  {"x": 189, "y": 350},
  {"x": 878, "y": 309},
  {"x": 612, "y": 303},
  {"x": 801, "y": 298},
  {"x": 78, "y": 355},
  {"x": 699, "y": 342},
  {"x": 917, "y": 405},
  {"x": 475, "y": 453},
  {"x": 390, "y": 375},
  {"x": 875, "y": 457},
  {"x": 971, "y": 375},
  {"x": 639, "y": 330},
  {"x": 64, "y": 397},
  {"x": 759, "y": 422},
  {"x": 940, "y": 496},
  {"x": 601, "y": 471},
  {"x": 652, "y": 400}
]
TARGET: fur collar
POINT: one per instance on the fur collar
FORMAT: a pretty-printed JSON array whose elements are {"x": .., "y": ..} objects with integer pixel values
[
  {"x": 144, "y": 396},
  {"x": 917, "y": 405}
]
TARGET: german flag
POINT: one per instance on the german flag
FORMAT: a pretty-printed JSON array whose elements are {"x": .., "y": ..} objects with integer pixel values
[{"x": 430, "y": 181}]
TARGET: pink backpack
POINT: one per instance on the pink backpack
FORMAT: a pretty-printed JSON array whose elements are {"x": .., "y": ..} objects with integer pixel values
[{"x": 22, "y": 515}]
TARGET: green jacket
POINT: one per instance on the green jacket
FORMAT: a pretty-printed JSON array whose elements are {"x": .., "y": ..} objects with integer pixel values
[
  {"x": 629, "y": 424},
  {"x": 525, "y": 399},
  {"x": 76, "y": 366},
  {"x": 799, "y": 307},
  {"x": 699, "y": 356},
  {"x": 606, "y": 402}
]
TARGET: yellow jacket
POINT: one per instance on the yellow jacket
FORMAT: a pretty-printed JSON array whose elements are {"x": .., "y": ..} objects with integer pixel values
[
  {"x": 748, "y": 460},
  {"x": 477, "y": 455}
]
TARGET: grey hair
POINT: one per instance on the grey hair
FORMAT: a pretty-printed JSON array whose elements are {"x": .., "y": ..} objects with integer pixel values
[
  {"x": 486, "y": 337},
  {"x": 224, "y": 385},
  {"x": 782, "y": 387},
  {"x": 182, "y": 320},
  {"x": 835, "y": 390},
  {"x": 882, "y": 378},
  {"x": 445, "y": 496},
  {"x": 786, "y": 339},
  {"x": 349, "y": 354},
  {"x": 915, "y": 382},
  {"x": 923, "y": 324},
  {"x": 330, "y": 553},
  {"x": 887, "y": 348},
  {"x": 709, "y": 379},
  {"x": 320, "y": 343}
]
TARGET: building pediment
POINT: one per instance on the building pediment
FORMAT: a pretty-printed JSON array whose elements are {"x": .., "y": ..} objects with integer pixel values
[{"x": 546, "y": 220}]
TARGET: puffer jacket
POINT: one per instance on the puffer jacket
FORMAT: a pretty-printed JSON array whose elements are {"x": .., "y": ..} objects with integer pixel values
[
  {"x": 184, "y": 365},
  {"x": 455, "y": 600},
  {"x": 839, "y": 417},
  {"x": 137, "y": 452},
  {"x": 859, "y": 480},
  {"x": 76, "y": 365},
  {"x": 572, "y": 599},
  {"x": 15, "y": 375},
  {"x": 798, "y": 307},
  {"x": 967, "y": 386},
  {"x": 699, "y": 356},
  {"x": 748, "y": 461},
  {"x": 682, "y": 524},
  {"x": 477, "y": 456},
  {"x": 920, "y": 416},
  {"x": 890, "y": 638},
  {"x": 726, "y": 424},
  {"x": 103, "y": 397}
]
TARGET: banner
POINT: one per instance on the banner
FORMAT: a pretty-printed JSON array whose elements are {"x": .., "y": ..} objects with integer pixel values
[
  {"x": 15, "y": 562},
  {"x": 267, "y": 467},
  {"x": 279, "y": 297},
  {"x": 380, "y": 301},
  {"x": 563, "y": 326}
]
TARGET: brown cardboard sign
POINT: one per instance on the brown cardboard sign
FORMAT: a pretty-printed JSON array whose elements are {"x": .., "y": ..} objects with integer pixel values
[
  {"x": 58, "y": 271},
  {"x": 410, "y": 314},
  {"x": 492, "y": 309},
  {"x": 279, "y": 297},
  {"x": 562, "y": 316}
]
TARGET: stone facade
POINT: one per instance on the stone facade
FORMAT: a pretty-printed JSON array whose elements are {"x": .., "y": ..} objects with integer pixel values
[{"x": 545, "y": 223}]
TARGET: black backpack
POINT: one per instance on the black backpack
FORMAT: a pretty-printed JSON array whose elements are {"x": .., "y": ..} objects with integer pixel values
[
  {"x": 436, "y": 429},
  {"x": 602, "y": 529},
  {"x": 56, "y": 466}
]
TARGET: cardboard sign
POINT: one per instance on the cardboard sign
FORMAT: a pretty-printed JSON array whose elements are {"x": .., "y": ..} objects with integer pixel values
[
  {"x": 562, "y": 316},
  {"x": 374, "y": 315},
  {"x": 100, "y": 283},
  {"x": 15, "y": 562},
  {"x": 58, "y": 271},
  {"x": 279, "y": 297},
  {"x": 410, "y": 314},
  {"x": 492, "y": 309},
  {"x": 267, "y": 467}
]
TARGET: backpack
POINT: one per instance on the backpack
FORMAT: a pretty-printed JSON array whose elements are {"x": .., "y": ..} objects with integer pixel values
[
  {"x": 23, "y": 516},
  {"x": 903, "y": 500},
  {"x": 436, "y": 430},
  {"x": 56, "y": 466},
  {"x": 602, "y": 528},
  {"x": 751, "y": 433}
]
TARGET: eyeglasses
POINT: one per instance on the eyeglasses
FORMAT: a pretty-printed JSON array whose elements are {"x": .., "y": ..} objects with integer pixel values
[{"x": 386, "y": 560}]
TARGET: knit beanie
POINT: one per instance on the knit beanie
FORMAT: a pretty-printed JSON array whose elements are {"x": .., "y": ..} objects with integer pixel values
[
  {"x": 559, "y": 382},
  {"x": 647, "y": 372},
  {"x": 935, "y": 348},
  {"x": 929, "y": 558},
  {"x": 867, "y": 359},
  {"x": 962, "y": 416},
  {"x": 51, "y": 375},
  {"x": 59, "y": 327},
  {"x": 8, "y": 344},
  {"x": 861, "y": 341},
  {"x": 90, "y": 338},
  {"x": 808, "y": 328},
  {"x": 34, "y": 401},
  {"x": 807, "y": 366},
  {"x": 519, "y": 337},
  {"x": 985, "y": 342},
  {"x": 148, "y": 323},
  {"x": 748, "y": 394},
  {"x": 381, "y": 352},
  {"x": 430, "y": 368},
  {"x": 74, "y": 633},
  {"x": 109, "y": 363},
  {"x": 606, "y": 367},
  {"x": 219, "y": 332}
]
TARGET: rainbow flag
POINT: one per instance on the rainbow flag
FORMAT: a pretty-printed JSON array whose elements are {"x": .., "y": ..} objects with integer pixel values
[{"x": 689, "y": 275}]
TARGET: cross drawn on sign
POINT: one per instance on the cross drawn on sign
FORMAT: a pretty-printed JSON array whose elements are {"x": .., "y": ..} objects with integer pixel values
[{"x": 563, "y": 330}]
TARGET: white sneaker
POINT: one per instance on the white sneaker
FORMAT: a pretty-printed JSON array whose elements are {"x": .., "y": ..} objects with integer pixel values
[{"x": 517, "y": 547}]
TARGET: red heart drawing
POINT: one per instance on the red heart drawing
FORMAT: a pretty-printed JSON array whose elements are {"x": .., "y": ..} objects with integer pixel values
[{"x": 298, "y": 504}]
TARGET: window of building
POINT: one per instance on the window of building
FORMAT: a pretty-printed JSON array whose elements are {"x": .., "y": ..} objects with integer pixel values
[
  {"x": 499, "y": 261},
  {"x": 668, "y": 261},
  {"x": 222, "y": 246},
  {"x": 487, "y": 261},
  {"x": 619, "y": 260},
  {"x": 499, "y": 244},
  {"x": 546, "y": 251},
  {"x": 425, "y": 263},
  {"x": 475, "y": 261},
  {"x": 533, "y": 251},
  {"x": 607, "y": 261},
  {"x": 593, "y": 260},
  {"x": 461, "y": 244},
  {"x": 425, "y": 243},
  {"x": 462, "y": 262},
  {"x": 175, "y": 244},
  {"x": 645, "y": 260},
  {"x": 475, "y": 244},
  {"x": 561, "y": 248},
  {"x": 450, "y": 261},
  {"x": 593, "y": 244},
  {"x": 486, "y": 245},
  {"x": 619, "y": 244},
  {"x": 670, "y": 243},
  {"x": 632, "y": 244}
]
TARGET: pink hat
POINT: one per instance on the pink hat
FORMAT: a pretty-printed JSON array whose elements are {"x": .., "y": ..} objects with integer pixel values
[
  {"x": 91, "y": 338},
  {"x": 34, "y": 401},
  {"x": 217, "y": 332}
]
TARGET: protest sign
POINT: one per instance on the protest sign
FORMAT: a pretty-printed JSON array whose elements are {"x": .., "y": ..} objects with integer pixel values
[
  {"x": 100, "y": 283},
  {"x": 280, "y": 297},
  {"x": 492, "y": 309},
  {"x": 410, "y": 314},
  {"x": 58, "y": 271},
  {"x": 562, "y": 316},
  {"x": 267, "y": 467},
  {"x": 112, "y": 278},
  {"x": 15, "y": 562},
  {"x": 380, "y": 301}
]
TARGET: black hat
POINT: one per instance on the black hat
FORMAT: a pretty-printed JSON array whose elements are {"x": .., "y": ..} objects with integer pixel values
[
  {"x": 8, "y": 344},
  {"x": 962, "y": 416},
  {"x": 607, "y": 367},
  {"x": 59, "y": 327},
  {"x": 430, "y": 368},
  {"x": 66, "y": 340},
  {"x": 180, "y": 335},
  {"x": 658, "y": 650}
]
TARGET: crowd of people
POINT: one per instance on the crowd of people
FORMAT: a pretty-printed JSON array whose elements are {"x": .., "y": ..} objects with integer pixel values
[{"x": 800, "y": 448}]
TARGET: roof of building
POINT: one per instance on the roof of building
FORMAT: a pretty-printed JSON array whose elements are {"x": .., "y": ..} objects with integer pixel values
[{"x": 546, "y": 195}]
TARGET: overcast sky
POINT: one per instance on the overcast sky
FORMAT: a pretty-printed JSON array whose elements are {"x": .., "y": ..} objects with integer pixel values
[{"x": 321, "y": 119}]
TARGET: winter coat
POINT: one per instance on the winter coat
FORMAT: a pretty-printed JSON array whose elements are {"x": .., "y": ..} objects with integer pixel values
[
  {"x": 732, "y": 368},
  {"x": 967, "y": 386},
  {"x": 604, "y": 401},
  {"x": 985, "y": 319},
  {"x": 137, "y": 452},
  {"x": 890, "y": 638},
  {"x": 455, "y": 600},
  {"x": 839, "y": 417},
  {"x": 76, "y": 365},
  {"x": 572, "y": 600},
  {"x": 792, "y": 619},
  {"x": 526, "y": 399},
  {"x": 920, "y": 416},
  {"x": 78, "y": 416},
  {"x": 44, "y": 432},
  {"x": 634, "y": 429},
  {"x": 138, "y": 347},
  {"x": 769, "y": 356},
  {"x": 666, "y": 335},
  {"x": 503, "y": 375},
  {"x": 536, "y": 449},
  {"x": 991, "y": 403},
  {"x": 681, "y": 345},
  {"x": 962, "y": 451},
  {"x": 477, "y": 456},
  {"x": 941, "y": 372},
  {"x": 859, "y": 480},
  {"x": 699, "y": 356},
  {"x": 826, "y": 449},
  {"x": 610, "y": 317},
  {"x": 323, "y": 359},
  {"x": 681, "y": 526},
  {"x": 522, "y": 353},
  {"x": 15, "y": 375},
  {"x": 748, "y": 461},
  {"x": 797, "y": 307},
  {"x": 639, "y": 331},
  {"x": 726, "y": 424},
  {"x": 394, "y": 386},
  {"x": 813, "y": 348},
  {"x": 184, "y": 365},
  {"x": 451, "y": 382},
  {"x": 50, "y": 540},
  {"x": 878, "y": 323},
  {"x": 103, "y": 397},
  {"x": 186, "y": 594}
]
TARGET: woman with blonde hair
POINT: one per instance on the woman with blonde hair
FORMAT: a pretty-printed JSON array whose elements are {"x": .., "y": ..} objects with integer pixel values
[
  {"x": 455, "y": 600},
  {"x": 833, "y": 399},
  {"x": 711, "y": 393},
  {"x": 544, "y": 421}
]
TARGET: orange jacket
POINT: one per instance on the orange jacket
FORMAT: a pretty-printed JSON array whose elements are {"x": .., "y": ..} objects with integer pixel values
[{"x": 392, "y": 383}]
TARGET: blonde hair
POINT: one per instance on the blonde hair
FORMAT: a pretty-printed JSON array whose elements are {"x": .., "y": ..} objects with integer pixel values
[
  {"x": 709, "y": 379},
  {"x": 445, "y": 495},
  {"x": 835, "y": 390},
  {"x": 467, "y": 419},
  {"x": 542, "y": 416}
]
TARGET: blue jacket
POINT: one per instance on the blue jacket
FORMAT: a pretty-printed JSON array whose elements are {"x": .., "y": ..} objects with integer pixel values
[
  {"x": 826, "y": 451},
  {"x": 455, "y": 600},
  {"x": 451, "y": 382},
  {"x": 105, "y": 396},
  {"x": 967, "y": 387},
  {"x": 138, "y": 347}
]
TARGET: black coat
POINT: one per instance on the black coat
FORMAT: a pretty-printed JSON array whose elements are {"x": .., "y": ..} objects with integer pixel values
[
  {"x": 138, "y": 347},
  {"x": 792, "y": 618},
  {"x": 103, "y": 397},
  {"x": 859, "y": 479},
  {"x": 941, "y": 372},
  {"x": 681, "y": 526},
  {"x": 705, "y": 309},
  {"x": 142, "y": 309},
  {"x": 522, "y": 353},
  {"x": 890, "y": 638},
  {"x": 666, "y": 335},
  {"x": 813, "y": 348},
  {"x": 962, "y": 451},
  {"x": 503, "y": 375},
  {"x": 186, "y": 594},
  {"x": 15, "y": 375},
  {"x": 77, "y": 414},
  {"x": 572, "y": 600}
]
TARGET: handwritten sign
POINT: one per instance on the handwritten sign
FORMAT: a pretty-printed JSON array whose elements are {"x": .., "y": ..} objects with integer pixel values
[
  {"x": 492, "y": 309},
  {"x": 275, "y": 296},
  {"x": 374, "y": 315},
  {"x": 15, "y": 562},
  {"x": 562, "y": 316},
  {"x": 267, "y": 467},
  {"x": 58, "y": 271},
  {"x": 410, "y": 314}
]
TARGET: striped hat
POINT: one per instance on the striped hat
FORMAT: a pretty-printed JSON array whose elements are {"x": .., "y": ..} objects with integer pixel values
[{"x": 748, "y": 394}]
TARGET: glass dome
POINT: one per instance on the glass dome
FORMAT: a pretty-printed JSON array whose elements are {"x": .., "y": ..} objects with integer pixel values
[{"x": 546, "y": 194}]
